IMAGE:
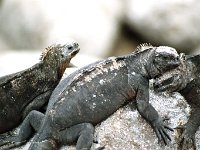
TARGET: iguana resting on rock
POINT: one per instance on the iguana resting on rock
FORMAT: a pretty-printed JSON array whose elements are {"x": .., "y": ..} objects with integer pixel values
[
  {"x": 30, "y": 89},
  {"x": 91, "y": 94},
  {"x": 186, "y": 80}
]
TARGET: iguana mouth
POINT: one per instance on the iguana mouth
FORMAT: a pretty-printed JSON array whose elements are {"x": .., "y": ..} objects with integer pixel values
[{"x": 75, "y": 52}]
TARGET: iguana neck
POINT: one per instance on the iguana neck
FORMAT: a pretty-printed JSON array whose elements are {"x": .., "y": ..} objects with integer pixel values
[
  {"x": 50, "y": 70},
  {"x": 191, "y": 72},
  {"x": 140, "y": 63}
]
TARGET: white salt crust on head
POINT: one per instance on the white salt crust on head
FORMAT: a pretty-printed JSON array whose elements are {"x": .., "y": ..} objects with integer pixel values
[{"x": 166, "y": 49}]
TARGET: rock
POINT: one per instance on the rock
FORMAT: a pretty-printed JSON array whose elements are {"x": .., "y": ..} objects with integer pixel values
[
  {"x": 13, "y": 61},
  {"x": 127, "y": 130},
  {"x": 23, "y": 24},
  {"x": 174, "y": 23},
  {"x": 94, "y": 24},
  {"x": 32, "y": 24}
]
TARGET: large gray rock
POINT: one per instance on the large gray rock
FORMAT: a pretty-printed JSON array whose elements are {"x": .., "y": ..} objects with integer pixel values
[
  {"x": 174, "y": 23},
  {"x": 127, "y": 130}
]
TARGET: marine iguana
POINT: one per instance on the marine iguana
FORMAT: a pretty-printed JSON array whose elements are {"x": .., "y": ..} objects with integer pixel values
[
  {"x": 30, "y": 89},
  {"x": 186, "y": 80},
  {"x": 93, "y": 93}
]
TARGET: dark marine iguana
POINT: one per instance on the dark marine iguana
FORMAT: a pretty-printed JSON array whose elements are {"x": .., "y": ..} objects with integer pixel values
[
  {"x": 93, "y": 93},
  {"x": 30, "y": 89},
  {"x": 186, "y": 80}
]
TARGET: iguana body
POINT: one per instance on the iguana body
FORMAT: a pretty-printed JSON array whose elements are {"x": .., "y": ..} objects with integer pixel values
[
  {"x": 30, "y": 89},
  {"x": 186, "y": 80},
  {"x": 91, "y": 94}
]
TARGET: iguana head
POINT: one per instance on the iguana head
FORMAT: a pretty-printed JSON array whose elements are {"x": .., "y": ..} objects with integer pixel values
[
  {"x": 164, "y": 58},
  {"x": 175, "y": 79},
  {"x": 59, "y": 55}
]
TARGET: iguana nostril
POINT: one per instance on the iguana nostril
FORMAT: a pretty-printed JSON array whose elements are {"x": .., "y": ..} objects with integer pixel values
[{"x": 76, "y": 44}]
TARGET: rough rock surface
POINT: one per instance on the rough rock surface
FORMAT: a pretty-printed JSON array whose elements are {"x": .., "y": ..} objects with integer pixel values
[
  {"x": 127, "y": 130},
  {"x": 167, "y": 22}
]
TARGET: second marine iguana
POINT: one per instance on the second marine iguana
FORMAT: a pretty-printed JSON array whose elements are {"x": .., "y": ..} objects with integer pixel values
[
  {"x": 93, "y": 93},
  {"x": 31, "y": 88},
  {"x": 186, "y": 80}
]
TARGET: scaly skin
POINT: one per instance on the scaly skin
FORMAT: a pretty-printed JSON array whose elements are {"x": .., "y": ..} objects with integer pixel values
[
  {"x": 186, "y": 80},
  {"x": 30, "y": 89},
  {"x": 93, "y": 93}
]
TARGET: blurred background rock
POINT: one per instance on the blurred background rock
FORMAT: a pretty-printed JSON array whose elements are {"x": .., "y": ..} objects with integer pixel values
[{"x": 102, "y": 28}]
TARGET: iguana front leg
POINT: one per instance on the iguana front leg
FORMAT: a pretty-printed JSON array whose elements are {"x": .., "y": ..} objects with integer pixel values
[
  {"x": 151, "y": 115},
  {"x": 30, "y": 124},
  {"x": 37, "y": 103}
]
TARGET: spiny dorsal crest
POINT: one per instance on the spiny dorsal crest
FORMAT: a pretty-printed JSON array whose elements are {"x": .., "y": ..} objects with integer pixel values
[
  {"x": 45, "y": 52},
  {"x": 142, "y": 47}
]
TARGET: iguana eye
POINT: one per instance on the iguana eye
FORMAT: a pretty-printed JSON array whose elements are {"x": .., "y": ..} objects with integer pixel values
[
  {"x": 165, "y": 57},
  {"x": 70, "y": 47}
]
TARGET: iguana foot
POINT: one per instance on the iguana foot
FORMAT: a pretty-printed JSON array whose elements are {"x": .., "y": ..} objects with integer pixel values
[
  {"x": 186, "y": 140},
  {"x": 44, "y": 145},
  {"x": 10, "y": 142},
  {"x": 5, "y": 135},
  {"x": 160, "y": 130},
  {"x": 100, "y": 148}
]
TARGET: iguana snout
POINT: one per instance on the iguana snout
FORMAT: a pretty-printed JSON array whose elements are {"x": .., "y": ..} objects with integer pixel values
[
  {"x": 72, "y": 49},
  {"x": 67, "y": 50}
]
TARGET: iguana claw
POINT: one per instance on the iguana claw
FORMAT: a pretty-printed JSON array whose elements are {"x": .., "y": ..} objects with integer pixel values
[{"x": 160, "y": 130}]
